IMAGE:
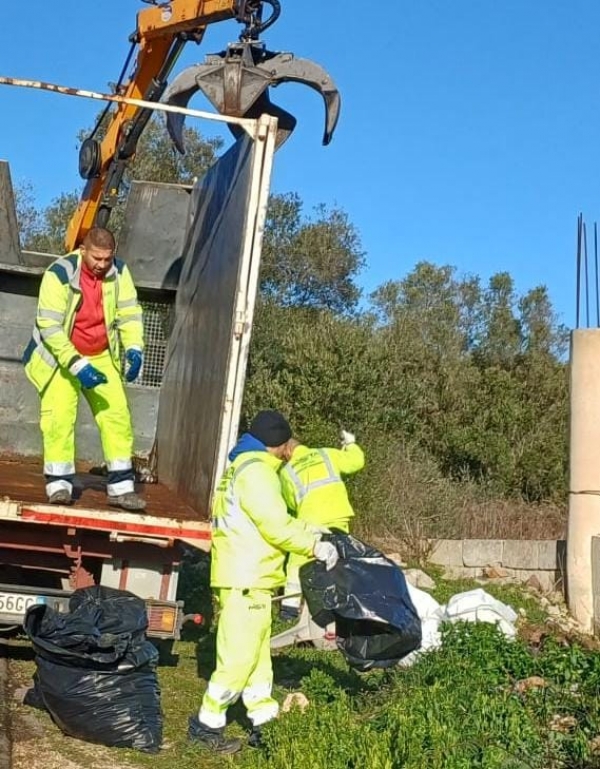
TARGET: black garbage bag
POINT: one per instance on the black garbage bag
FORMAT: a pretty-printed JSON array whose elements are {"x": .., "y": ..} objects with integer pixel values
[
  {"x": 367, "y": 598},
  {"x": 96, "y": 671}
]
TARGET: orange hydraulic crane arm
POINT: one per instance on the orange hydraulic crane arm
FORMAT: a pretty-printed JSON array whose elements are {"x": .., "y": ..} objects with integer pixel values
[{"x": 161, "y": 33}]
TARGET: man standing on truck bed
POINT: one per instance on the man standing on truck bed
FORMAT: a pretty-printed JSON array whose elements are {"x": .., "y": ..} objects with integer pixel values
[
  {"x": 87, "y": 308},
  {"x": 252, "y": 532},
  {"x": 315, "y": 492}
]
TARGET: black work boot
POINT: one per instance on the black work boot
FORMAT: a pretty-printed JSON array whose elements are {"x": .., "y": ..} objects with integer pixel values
[
  {"x": 130, "y": 501},
  {"x": 255, "y": 739},
  {"x": 60, "y": 497},
  {"x": 213, "y": 739}
]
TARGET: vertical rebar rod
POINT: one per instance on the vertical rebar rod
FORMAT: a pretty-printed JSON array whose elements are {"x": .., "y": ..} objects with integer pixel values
[
  {"x": 597, "y": 286},
  {"x": 578, "y": 263},
  {"x": 587, "y": 277}
]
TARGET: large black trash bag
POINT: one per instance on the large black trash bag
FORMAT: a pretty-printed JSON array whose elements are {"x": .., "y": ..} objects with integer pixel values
[
  {"x": 96, "y": 671},
  {"x": 367, "y": 598}
]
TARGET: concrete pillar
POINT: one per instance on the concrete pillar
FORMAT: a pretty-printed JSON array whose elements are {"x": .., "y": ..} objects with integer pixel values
[{"x": 584, "y": 498}]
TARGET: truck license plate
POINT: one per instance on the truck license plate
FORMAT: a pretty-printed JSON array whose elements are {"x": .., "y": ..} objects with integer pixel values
[{"x": 17, "y": 603}]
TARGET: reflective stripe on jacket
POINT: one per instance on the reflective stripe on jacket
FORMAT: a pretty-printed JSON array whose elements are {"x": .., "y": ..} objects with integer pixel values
[
  {"x": 312, "y": 483},
  {"x": 251, "y": 528},
  {"x": 60, "y": 294}
]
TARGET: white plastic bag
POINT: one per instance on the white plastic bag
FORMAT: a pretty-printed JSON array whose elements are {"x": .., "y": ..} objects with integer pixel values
[
  {"x": 471, "y": 606},
  {"x": 479, "y": 606},
  {"x": 431, "y": 614}
]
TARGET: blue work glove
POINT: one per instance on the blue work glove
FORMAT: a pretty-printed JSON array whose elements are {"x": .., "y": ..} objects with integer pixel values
[
  {"x": 134, "y": 360},
  {"x": 89, "y": 376}
]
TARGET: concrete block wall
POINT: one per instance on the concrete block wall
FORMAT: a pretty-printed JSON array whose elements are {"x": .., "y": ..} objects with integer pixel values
[{"x": 519, "y": 559}]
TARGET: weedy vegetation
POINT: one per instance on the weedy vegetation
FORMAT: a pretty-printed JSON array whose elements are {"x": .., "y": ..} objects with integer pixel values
[{"x": 480, "y": 702}]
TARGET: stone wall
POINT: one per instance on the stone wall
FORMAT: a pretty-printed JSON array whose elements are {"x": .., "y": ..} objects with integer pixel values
[{"x": 544, "y": 559}]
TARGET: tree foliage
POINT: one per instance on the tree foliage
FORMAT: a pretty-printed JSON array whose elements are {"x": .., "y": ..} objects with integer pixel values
[
  {"x": 471, "y": 376},
  {"x": 310, "y": 262},
  {"x": 42, "y": 230}
]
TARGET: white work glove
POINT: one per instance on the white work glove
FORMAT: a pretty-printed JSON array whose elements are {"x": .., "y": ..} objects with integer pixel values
[
  {"x": 314, "y": 529},
  {"x": 347, "y": 438},
  {"x": 327, "y": 553}
]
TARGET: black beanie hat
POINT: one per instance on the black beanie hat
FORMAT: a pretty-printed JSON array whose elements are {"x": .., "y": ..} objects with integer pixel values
[{"x": 270, "y": 427}]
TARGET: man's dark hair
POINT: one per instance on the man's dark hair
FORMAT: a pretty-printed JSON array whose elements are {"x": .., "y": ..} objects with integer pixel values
[{"x": 100, "y": 237}]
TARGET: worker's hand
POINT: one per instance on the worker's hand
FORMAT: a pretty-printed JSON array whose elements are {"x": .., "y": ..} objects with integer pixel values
[
  {"x": 327, "y": 553},
  {"x": 314, "y": 529},
  {"x": 134, "y": 360},
  {"x": 88, "y": 376},
  {"x": 347, "y": 438}
]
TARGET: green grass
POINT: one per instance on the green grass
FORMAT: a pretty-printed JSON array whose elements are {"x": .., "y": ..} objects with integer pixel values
[{"x": 457, "y": 708}]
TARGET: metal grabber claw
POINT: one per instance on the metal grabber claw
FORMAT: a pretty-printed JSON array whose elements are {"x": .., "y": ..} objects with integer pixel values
[{"x": 236, "y": 82}]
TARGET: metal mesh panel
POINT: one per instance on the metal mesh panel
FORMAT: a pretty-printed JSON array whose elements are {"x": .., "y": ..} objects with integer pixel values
[{"x": 158, "y": 318}]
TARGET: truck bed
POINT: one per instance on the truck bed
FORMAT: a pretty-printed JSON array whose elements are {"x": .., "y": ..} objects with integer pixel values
[
  {"x": 23, "y": 496},
  {"x": 23, "y": 481}
]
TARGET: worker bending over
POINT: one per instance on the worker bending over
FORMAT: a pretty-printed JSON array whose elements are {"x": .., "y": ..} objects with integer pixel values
[
  {"x": 315, "y": 492},
  {"x": 252, "y": 532},
  {"x": 87, "y": 310}
]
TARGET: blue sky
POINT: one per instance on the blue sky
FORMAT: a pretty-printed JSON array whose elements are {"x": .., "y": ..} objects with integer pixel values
[{"x": 469, "y": 135}]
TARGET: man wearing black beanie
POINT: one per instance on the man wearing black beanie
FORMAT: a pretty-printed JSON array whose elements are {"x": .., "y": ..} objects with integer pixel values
[
  {"x": 252, "y": 532},
  {"x": 270, "y": 427}
]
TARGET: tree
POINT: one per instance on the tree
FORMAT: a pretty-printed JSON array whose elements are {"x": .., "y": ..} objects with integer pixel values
[
  {"x": 499, "y": 340},
  {"x": 48, "y": 236},
  {"x": 541, "y": 331},
  {"x": 310, "y": 262},
  {"x": 481, "y": 383},
  {"x": 323, "y": 369},
  {"x": 157, "y": 159},
  {"x": 426, "y": 325},
  {"x": 28, "y": 216}
]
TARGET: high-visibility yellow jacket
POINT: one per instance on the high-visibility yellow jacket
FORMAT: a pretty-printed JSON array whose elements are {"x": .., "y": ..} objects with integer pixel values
[
  {"x": 313, "y": 486},
  {"x": 251, "y": 528},
  {"x": 60, "y": 295}
]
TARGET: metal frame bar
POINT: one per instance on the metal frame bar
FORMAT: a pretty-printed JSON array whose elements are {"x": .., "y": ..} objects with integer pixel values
[
  {"x": 250, "y": 125},
  {"x": 264, "y": 151},
  {"x": 254, "y": 257}
]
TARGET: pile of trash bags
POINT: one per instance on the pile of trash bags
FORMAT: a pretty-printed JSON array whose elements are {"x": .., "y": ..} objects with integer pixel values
[
  {"x": 380, "y": 619},
  {"x": 96, "y": 670}
]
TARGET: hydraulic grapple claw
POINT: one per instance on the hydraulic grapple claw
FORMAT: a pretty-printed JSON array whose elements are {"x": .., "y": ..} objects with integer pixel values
[{"x": 236, "y": 82}]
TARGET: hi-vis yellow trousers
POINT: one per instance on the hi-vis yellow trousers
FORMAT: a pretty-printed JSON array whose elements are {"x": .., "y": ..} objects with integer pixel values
[
  {"x": 243, "y": 659},
  {"x": 58, "y": 413}
]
